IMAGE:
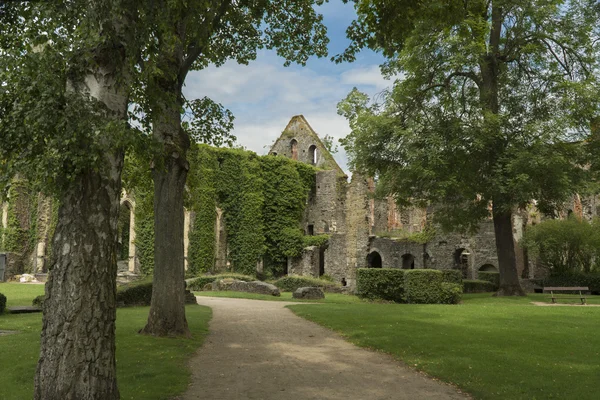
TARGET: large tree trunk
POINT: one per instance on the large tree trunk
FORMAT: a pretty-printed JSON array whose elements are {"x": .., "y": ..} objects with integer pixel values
[
  {"x": 77, "y": 355},
  {"x": 505, "y": 248},
  {"x": 167, "y": 309}
]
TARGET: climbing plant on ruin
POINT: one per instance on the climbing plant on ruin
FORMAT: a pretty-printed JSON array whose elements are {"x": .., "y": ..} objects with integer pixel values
[{"x": 490, "y": 96}]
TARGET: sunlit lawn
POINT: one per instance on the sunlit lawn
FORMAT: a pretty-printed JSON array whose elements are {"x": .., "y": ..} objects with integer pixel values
[
  {"x": 147, "y": 367},
  {"x": 493, "y": 348}
]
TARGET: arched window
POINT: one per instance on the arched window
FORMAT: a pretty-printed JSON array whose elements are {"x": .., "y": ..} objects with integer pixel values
[
  {"x": 374, "y": 260},
  {"x": 312, "y": 154},
  {"x": 294, "y": 149},
  {"x": 462, "y": 259},
  {"x": 408, "y": 261}
]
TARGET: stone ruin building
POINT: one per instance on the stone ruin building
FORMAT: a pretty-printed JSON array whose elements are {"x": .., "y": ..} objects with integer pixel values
[{"x": 363, "y": 231}]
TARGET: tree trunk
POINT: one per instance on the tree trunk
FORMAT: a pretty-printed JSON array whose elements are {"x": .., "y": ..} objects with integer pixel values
[
  {"x": 167, "y": 309},
  {"x": 505, "y": 248},
  {"x": 77, "y": 355}
]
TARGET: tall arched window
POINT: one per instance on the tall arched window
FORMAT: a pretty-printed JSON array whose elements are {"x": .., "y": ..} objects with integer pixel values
[
  {"x": 294, "y": 149},
  {"x": 312, "y": 154}
]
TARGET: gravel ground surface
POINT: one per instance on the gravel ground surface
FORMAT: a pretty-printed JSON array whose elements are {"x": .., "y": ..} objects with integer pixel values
[{"x": 261, "y": 350}]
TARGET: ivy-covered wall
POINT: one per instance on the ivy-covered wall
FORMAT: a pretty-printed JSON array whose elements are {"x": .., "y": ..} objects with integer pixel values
[{"x": 262, "y": 199}]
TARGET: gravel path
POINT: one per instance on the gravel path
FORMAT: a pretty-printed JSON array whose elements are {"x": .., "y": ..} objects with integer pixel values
[{"x": 261, "y": 350}]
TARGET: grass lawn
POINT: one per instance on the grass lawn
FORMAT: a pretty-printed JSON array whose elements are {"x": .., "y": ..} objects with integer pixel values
[
  {"x": 147, "y": 367},
  {"x": 493, "y": 348},
  {"x": 285, "y": 296}
]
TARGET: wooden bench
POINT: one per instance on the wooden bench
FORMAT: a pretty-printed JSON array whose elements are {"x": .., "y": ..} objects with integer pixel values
[{"x": 567, "y": 289}]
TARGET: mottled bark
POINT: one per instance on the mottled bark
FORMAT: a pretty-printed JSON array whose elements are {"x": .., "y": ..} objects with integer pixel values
[
  {"x": 167, "y": 309},
  {"x": 505, "y": 248}
]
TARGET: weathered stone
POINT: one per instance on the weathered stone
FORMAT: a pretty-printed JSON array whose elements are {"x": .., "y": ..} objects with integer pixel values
[
  {"x": 308, "y": 293},
  {"x": 208, "y": 287},
  {"x": 249, "y": 287}
]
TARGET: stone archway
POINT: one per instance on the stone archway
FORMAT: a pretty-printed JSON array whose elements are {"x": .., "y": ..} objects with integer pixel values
[
  {"x": 488, "y": 268},
  {"x": 408, "y": 261},
  {"x": 463, "y": 260},
  {"x": 374, "y": 260}
]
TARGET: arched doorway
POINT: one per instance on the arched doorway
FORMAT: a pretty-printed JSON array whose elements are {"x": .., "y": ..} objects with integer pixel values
[
  {"x": 488, "y": 268},
  {"x": 462, "y": 260},
  {"x": 294, "y": 149},
  {"x": 408, "y": 261},
  {"x": 374, "y": 260},
  {"x": 312, "y": 154}
]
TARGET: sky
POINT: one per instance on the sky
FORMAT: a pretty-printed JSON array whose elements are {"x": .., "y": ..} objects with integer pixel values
[{"x": 265, "y": 95}]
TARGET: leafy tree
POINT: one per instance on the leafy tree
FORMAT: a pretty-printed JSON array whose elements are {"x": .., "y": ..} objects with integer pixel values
[
  {"x": 65, "y": 71},
  {"x": 564, "y": 246},
  {"x": 490, "y": 96},
  {"x": 186, "y": 36}
]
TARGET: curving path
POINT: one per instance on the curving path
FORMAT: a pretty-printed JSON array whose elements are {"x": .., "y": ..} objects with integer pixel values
[{"x": 261, "y": 350}]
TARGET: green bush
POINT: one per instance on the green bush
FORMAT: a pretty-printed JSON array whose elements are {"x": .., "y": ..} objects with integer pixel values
[
  {"x": 451, "y": 276},
  {"x": 39, "y": 301},
  {"x": 380, "y": 283},
  {"x": 423, "y": 286},
  {"x": 478, "y": 286},
  {"x": 451, "y": 293},
  {"x": 574, "y": 279},
  {"x": 317, "y": 240},
  {"x": 198, "y": 283},
  {"x": 490, "y": 276},
  {"x": 135, "y": 294},
  {"x": 2, "y": 303},
  {"x": 291, "y": 282}
]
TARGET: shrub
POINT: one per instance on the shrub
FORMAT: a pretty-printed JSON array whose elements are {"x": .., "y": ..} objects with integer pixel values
[
  {"x": 452, "y": 276},
  {"x": 423, "y": 286},
  {"x": 478, "y": 286},
  {"x": 291, "y": 282},
  {"x": 493, "y": 277},
  {"x": 380, "y": 283},
  {"x": 317, "y": 240},
  {"x": 39, "y": 301},
  {"x": 574, "y": 279},
  {"x": 135, "y": 294},
  {"x": 198, "y": 283},
  {"x": 2, "y": 303},
  {"x": 451, "y": 293}
]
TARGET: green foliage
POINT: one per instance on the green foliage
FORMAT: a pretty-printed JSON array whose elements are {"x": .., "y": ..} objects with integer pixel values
[
  {"x": 317, "y": 240},
  {"x": 493, "y": 277},
  {"x": 591, "y": 280},
  {"x": 2, "y": 303},
  {"x": 423, "y": 286},
  {"x": 135, "y": 294},
  {"x": 380, "y": 283},
  {"x": 478, "y": 286},
  {"x": 451, "y": 275},
  {"x": 563, "y": 246},
  {"x": 450, "y": 293},
  {"x": 198, "y": 283},
  {"x": 291, "y": 282},
  {"x": 470, "y": 99},
  {"x": 39, "y": 301}
]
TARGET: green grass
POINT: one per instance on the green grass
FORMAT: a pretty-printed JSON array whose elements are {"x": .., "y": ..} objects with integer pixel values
[
  {"x": 493, "y": 348},
  {"x": 147, "y": 367},
  {"x": 285, "y": 296}
]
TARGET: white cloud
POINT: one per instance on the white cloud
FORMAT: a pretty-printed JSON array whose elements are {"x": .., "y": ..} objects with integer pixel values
[{"x": 264, "y": 96}]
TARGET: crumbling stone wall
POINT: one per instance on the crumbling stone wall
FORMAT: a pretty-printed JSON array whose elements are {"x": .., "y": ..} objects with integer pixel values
[
  {"x": 392, "y": 252},
  {"x": 325, "y": 210}
]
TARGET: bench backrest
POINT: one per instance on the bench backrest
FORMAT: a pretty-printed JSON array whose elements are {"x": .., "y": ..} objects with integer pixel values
[{"x": 556, "y": 289}]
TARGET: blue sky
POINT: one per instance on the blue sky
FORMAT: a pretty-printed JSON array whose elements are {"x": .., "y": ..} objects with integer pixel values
[{"x": 264, "y": 95}]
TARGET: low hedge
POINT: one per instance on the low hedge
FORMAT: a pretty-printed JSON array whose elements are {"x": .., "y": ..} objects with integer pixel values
[
  {"x": 39, "y": 301},
  {"x": 2, "y": 303},
  {"x": 292, "y": 282},
  {"x": 380, "y": 283},
  {"x": 197, "y": 284},
  {"x": 423, "y": 286},
  {"x": 478, "y": 286},
  {"x": 451, "y": 293},
  {"x": 140, "y": 294},
  {"x": 452, "y": 276},
  {"x": 574, "y": 279},
  {"x": 490, "y": 276}
]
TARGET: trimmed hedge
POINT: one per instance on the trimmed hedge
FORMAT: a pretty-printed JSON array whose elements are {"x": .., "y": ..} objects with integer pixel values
[
  {"x": 452, "y": 276},
  {"x": 380, "y": 283},
  {"x": 197, "y": 284},
  {"x": 2, "y": 303},
  {"x": 39, "y": 301},
  {"x": 490, "y": 276},
  {"x": 134, "y": 294},
  {"x": 423, "y": 286},
  {"x": 478, "y": 286},
  {"x": 574, "y": 279},
  {"x": 292, "y": 282},
  {"x": 451, "y": 293}
]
